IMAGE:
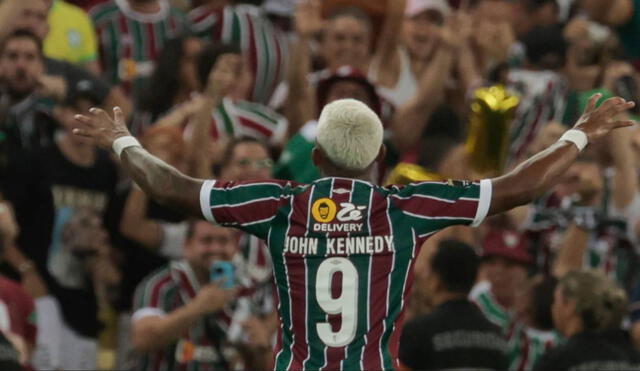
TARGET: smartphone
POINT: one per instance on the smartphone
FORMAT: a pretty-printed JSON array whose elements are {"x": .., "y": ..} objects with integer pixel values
[{"x": 223, "y": 272}]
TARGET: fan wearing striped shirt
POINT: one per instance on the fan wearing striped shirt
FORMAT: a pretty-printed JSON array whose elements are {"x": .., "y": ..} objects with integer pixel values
[{"x": 343, "y": 247}]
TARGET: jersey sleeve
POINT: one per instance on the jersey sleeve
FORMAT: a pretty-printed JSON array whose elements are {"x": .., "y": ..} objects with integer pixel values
[
  {"x": 436, "y": 205},
  {"x": 249, "y": 206},
  {"x": 150, "y": 297}
]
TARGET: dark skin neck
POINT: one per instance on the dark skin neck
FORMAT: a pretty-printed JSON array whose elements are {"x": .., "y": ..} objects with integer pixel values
[{"x": 329, "y": 169}]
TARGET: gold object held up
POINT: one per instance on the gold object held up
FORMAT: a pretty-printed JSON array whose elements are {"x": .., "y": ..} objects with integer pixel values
[
  {"x": 405, "y": 173},
  {"x": 492, "y": 112}
]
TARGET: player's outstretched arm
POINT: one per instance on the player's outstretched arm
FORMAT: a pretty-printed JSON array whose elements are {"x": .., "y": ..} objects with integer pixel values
[
  {"x": 538, "y": 174},
  {"x": 160, "y": 181}
]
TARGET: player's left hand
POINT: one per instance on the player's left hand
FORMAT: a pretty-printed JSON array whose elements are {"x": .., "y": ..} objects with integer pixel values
[{"x": 98, "y": 125}]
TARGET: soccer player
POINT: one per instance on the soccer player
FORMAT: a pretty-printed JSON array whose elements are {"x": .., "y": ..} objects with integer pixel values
[{"x": 343, "y": 272}]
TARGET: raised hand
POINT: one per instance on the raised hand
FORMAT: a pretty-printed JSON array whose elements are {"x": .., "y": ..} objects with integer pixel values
[
  {"x": 99, "y": 126},
  {"x": 598, "y": 122},
  {"x": 212, "y": 298},
  {"x": 308, "y": 18}
]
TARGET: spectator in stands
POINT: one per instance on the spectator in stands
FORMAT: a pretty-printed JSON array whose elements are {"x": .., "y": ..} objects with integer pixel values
[
  {"x": 622, "y": 16},
  {"x": 531, "y": 332},
  {"x": 180, "y": 317},
  {"x": 17, "y": 309},
  {"x": 585, "y": 304},
  {"x": 71, "y": 36},
  {"x": 62, "y": 77},
  {"x": 503, "y": 271},
  {"x": 131, "y": 34},
  {"x": 74, "y": 257},
  {"x": 455, "y": 334},
  {"x": 345, "y": 41},
  {"x": 235, "y": 117},
  {"x": 174, "y": 82},
  {"x": 264, "y": 46},
  {"x": 406, "y": 47},
  {"x": 21, "y": 76}
]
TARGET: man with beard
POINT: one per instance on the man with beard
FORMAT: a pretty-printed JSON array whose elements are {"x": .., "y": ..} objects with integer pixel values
[
  {"x": 21, "y": 84},
  {"x": 180, "y": 318}
]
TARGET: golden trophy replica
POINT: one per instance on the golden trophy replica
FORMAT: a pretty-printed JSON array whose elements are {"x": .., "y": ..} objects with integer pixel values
[
  {"x": 405, "y": 173},
  {"x": 487, "y": 145}
]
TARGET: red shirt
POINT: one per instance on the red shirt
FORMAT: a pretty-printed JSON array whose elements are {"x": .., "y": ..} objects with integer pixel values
[{"x": 21, "y": 310}]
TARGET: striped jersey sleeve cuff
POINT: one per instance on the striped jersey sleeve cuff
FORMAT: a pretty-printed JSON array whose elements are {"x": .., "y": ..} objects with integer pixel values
[
  {"x": 205, "y": 200},
  {"x": 484, "y": 201},
  {"x": 147, "y": 312}
]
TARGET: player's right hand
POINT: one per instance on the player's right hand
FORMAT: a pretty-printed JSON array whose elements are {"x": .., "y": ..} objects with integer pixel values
[
  {"x": 98, "y": 125},
  {"x": 598, "y": 122},
  {"x": 212, "y": 298}
]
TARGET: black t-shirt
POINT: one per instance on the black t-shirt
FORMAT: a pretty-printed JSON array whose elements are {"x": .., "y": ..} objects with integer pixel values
[
  {"x": 8, "y": 355},
  {"x": 591, "y": 351},
  {"x": 454, "y": 335},
  {"x": 135, "y": 260},
  {"x": 72, "y": 188}
]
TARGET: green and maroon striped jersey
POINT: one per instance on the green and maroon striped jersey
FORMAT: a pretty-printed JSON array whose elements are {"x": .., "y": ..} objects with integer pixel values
[
  {"x": 161, "y": 293},
  {"x": 237, "y": 119},
  {"x": 528, "y": 345},
  {"x": 129, "y": 41},
  {"x": 248, "y": 27},
  {"x": 342, "y": 253},
  {"x": 525, "y": 344}
]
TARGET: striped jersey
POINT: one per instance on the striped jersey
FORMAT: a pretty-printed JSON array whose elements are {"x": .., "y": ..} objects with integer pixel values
[
  {"x": 237, "y": 119},
  {"x": 164, "y": 291},
  {"x": 525, "y": 345},
  {"x": 129, "y": 41},
  {"x": 543, "y": 96},
  {"x": 248, "y": 27},
  {"x": 342, "y": 253}
]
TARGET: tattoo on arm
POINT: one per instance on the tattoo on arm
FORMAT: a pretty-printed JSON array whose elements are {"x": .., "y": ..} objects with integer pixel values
[{"x": 162, "y": 182}]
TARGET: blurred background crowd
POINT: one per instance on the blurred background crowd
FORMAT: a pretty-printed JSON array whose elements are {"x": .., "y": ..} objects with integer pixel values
[{"x": 95, "y": 274}]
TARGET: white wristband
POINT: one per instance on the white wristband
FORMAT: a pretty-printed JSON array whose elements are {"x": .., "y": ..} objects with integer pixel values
[
  {"x": 575, "y": 136},
  {"x": 124, "y": 142}
]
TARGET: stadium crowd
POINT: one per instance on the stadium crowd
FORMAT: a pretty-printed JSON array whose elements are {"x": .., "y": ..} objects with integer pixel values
[{"x": 96, "y": 275}]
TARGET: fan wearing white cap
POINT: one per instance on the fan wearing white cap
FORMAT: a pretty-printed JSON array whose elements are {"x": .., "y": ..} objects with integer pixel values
[
  {"x": 407, "y": 45},
  {"x": 344, "y": 225},
  {"x": 414, "y": 61}
]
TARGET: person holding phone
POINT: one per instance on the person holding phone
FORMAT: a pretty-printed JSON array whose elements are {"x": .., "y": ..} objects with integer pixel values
[{"x": 181, "y": 317}]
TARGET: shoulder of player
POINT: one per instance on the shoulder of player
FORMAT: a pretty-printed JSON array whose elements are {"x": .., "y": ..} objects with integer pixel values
[{"x": 272, "y": 188}]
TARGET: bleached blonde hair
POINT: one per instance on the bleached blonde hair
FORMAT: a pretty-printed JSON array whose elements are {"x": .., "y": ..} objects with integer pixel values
[{"x": 350, "y": 134}]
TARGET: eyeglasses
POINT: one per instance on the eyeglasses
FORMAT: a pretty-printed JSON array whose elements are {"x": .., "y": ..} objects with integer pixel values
[{"x": 244, "y": 163}]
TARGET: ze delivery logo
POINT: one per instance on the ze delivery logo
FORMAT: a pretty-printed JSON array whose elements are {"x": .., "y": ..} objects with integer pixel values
[{"x": 324, "y": 210}]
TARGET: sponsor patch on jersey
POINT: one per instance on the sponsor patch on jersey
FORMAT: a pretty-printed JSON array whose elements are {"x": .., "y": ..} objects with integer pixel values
[
  {"x": 324, "y": 210},
  {"x": 459, "y": 183}
]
